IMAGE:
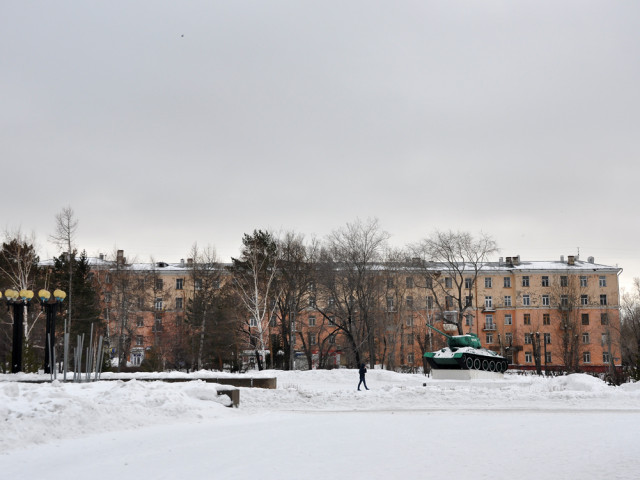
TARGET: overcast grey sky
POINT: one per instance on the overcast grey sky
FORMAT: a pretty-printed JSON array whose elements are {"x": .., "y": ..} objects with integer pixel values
[{"x": 167, "y": 123}]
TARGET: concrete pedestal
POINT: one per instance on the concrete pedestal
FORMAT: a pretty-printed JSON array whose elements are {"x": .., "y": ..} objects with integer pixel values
[{"x": 442, "y": 374}]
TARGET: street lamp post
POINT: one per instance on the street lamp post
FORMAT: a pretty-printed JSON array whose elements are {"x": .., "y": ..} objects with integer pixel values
[
  {"x": 19, "y": 301},
  {"x": 51, "y": 308}
]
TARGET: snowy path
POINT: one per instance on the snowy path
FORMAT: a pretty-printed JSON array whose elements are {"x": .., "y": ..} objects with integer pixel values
[{"x": 368, "y": 445}]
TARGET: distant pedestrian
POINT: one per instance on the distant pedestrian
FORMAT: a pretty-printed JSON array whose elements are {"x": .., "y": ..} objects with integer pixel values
[{"x": 362, "y": 371}]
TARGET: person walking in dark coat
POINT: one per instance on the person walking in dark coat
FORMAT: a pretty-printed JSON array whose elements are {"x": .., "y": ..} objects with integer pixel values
[{"x": 362, "y": 371}]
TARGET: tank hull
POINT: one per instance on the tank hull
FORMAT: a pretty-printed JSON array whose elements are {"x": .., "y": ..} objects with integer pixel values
[{"x": 467, "y": 358}]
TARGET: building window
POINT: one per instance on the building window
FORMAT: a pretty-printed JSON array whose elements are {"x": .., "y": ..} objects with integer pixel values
[
  {"x": 604, "y": 319},
  {"x": 390, "y": 304},
  {"x": 584, "y": 299},
  {"x": 410, "y": 302},
  {"x": 468, "y": 320},
  {"x": 409, "y": 282},
  {"x": 488, "y": 302},
  {"x": 583, "y": 280},
  {"x": 312, "y": 321},
  {"x": 448, "y": 282},
  {"x": 107, "y": 297},
  {"x": 545, "y": 281},
  {"x": 603, "y": 299},
  {"x": 390, "y": 282},
  {"x": 179, "y": 283},
  {"x": 489, "y": 338},
  {"x": 139, "y": 322},
  {"x": 159, "y": 284},
  {"x": 107, "y": 278},
  {"x": 606, "y": 358},
  {"x": 409, "y": 320},
  {"x": 468, "y": 283},
  {"x": 507, "y": 300},
  {"x": 604, "y": 339},
  {"x": 564, "y": 300},
  {"x": 332, "y": 339},
  {"x": 312, "y": 302},
  {"x": 410, "y": 358},
  {"x": 585, "y": 319},
  {"x": 429, "y": 302},
  {"x": 448, "y": 302},
  {"x": 139, "y": 340},
  {"x": 253, "y": 322},
  {"x": 547, "y": 338},
  {"x": 488, "y": 322},
  {"x": 546, "y": 319},
  {"x": 527, "y": 319},
  {"x": 179, "y": 303},
  {"x": 508, "y": 320},
  {"x": 507, "y": 282},
  {"x": 528, "y": 357},
  {"x": 586, "y": 357},
  {"x": 487, "y": 282},
  {"x": 547, "y": 357},
  {"x": 526, "y": 301},
  {"x": 528, "y": 338},
  {"x": 158, "y": 304},
  {"x": 602, "y": 281},
  {"x": 410, "y": 339},
  {"x": 585, "y": 338},
  {"x": 197, "y": 284},
  {"x": 525, "y": 281},
  {"x": 429, "y": 282},
  {"x": 545, "y": 300},
  {"x": 508, "y": 338},
  {"x": 312, "y": 339},
  {"x": 564, "y": 281}
]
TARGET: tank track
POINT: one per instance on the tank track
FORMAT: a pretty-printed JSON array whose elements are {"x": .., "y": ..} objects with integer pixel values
[{"x": 469, "y": 361}]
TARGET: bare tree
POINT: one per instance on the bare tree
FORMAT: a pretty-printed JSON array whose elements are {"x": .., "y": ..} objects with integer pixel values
[
  {"x": 64, "y": 239},
  {"x": 205, "y": 281},
  {"x": 450, "y": 263},
  {"x": 254, "y": 275},
  {"x": 125, "y": 294},
  {"x": 19, "y": 268},
  {"x": 349, "y": 276},
  {"x": 295, "y": 286},
  {"x": 630, "y": 338}
]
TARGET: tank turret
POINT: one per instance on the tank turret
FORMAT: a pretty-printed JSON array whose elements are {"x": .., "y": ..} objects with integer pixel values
[{"x": 465, "y": 352}]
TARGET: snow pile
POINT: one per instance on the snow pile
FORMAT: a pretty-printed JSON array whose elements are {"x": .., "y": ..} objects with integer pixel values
[{"x": 38, "y": 413}]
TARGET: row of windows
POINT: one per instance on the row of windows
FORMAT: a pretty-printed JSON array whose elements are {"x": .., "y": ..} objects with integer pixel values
[
  {"x": 546, "y": 300},
  {"x": 506, "y": 281},
  {"x": 528, "y": 338},
  {"x": 586, "y": 357},
  {"x": 546, "y": 319}
]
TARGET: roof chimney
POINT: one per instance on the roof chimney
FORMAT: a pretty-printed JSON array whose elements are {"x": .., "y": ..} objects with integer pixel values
[
  {"x": 120, "y": 257},
  {"x": 571, "y": 260}
]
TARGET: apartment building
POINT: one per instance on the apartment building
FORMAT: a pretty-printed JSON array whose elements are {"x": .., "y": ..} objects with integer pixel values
[{"x": 565, "y": 312}]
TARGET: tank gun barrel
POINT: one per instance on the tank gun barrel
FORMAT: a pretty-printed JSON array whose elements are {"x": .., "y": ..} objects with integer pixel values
[{"x": 440, "y": 332}]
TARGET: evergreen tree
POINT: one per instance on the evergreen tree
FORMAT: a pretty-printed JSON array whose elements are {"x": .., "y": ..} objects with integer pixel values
[{"x": 86, "y": 301}]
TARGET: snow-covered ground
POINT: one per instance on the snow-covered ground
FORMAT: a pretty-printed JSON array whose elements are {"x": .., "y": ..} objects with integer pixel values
[{"x": 317, "y": 425}]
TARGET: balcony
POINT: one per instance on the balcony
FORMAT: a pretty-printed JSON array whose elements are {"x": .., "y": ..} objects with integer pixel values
[{"x": 489, "y": 327}]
